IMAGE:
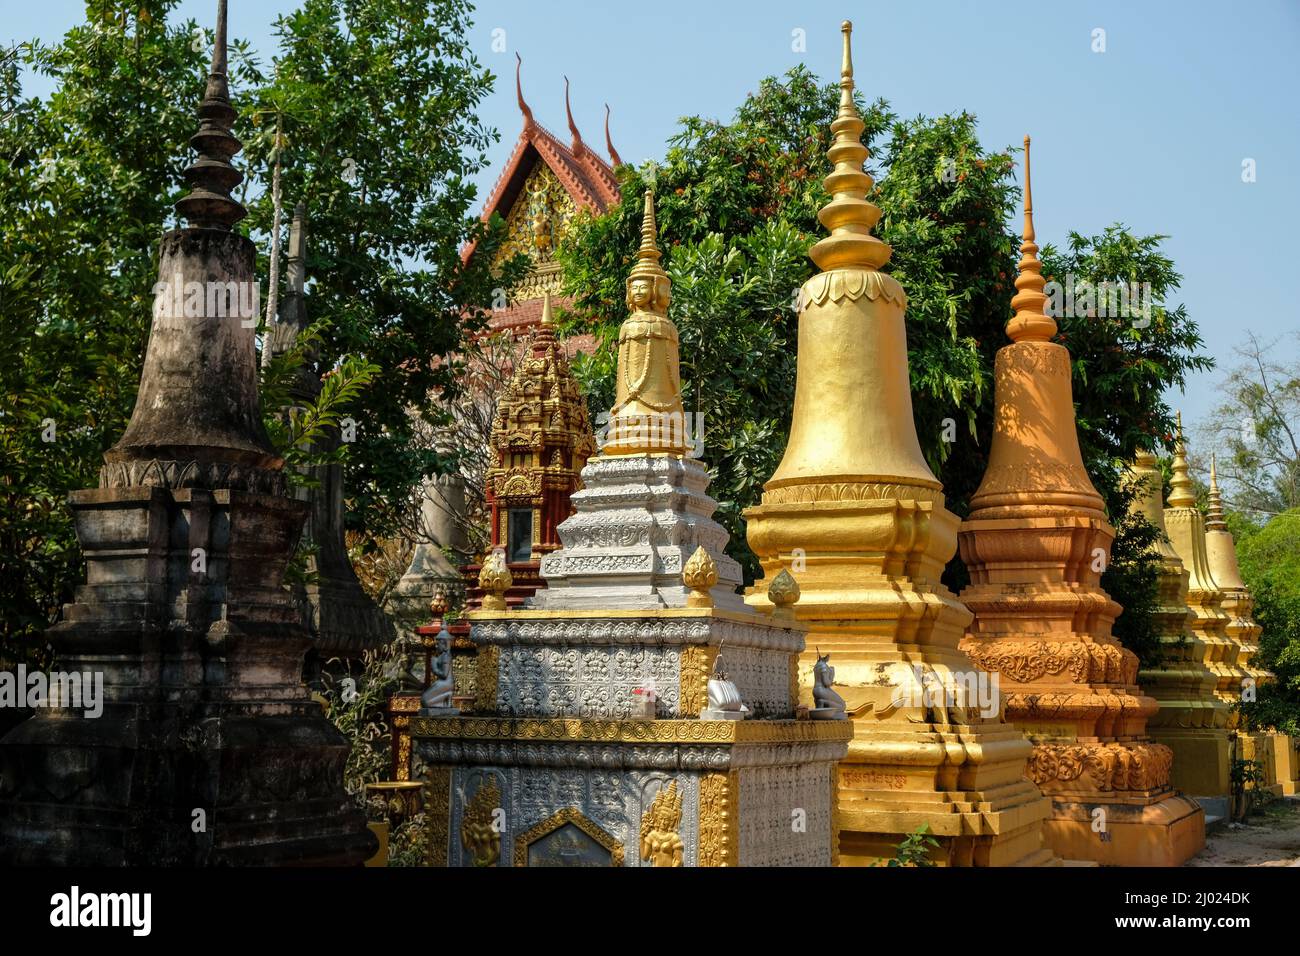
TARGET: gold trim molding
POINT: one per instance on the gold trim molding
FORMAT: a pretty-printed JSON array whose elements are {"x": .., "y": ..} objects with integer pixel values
[
  {"x": 633, "y": 731},
  {"x": 719, "y": 819}
]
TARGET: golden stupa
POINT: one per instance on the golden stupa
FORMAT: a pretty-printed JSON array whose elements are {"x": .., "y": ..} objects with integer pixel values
[
  {"x": 1192, "y": 721},
  {"x": 1036, "y": 543},
  {"x": 856, "y": 515},
  {"x": 1208, "y": 773},
  {"x": 1270, "y": 750}
]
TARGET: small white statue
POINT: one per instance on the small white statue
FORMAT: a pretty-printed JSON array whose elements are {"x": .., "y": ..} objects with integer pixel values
[
  {"x": 724, "y": 697},
  {"x": 436, "y": 700},
  {"x": 830, "y": 705}
]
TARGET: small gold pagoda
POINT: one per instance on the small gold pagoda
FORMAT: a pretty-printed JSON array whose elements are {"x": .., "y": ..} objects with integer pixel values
[
  {"x": 1270, "y": 750},
  {"x": 1206, "y": 774},
  {"x": 1036, "y": 543},
  {"x": 855, "y": 514},
  {"x": 1192, "y": 721}
]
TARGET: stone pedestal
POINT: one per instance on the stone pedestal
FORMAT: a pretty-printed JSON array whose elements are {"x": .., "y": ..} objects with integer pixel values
[
  {"x": 206, "y": 721},
  {"x": 565, "y": 760}
]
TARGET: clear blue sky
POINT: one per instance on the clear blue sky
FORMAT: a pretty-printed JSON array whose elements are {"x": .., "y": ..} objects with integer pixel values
[{"x": 1151, "y": 132}]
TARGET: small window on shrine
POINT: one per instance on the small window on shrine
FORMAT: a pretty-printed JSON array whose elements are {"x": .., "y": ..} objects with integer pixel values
[{"x": 519, "y": 535}]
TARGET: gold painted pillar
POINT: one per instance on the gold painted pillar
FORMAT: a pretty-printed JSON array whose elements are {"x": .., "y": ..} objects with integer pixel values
[
  {"x": 1036, "y": 543},
  {"x": 1263, "y": 747},
  {"x": 1206, "y": 772},
  {"x": 855, "y": 514}
]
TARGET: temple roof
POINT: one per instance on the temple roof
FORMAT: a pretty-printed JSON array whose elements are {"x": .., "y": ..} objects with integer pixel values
[{"x": 586, "y": 177}]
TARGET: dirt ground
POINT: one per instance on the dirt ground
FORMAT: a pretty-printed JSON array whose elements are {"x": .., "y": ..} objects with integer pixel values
[{"x": 1269, "y": 837}]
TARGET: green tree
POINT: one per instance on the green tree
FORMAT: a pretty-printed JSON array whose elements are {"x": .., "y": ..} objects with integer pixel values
[
  {"x": 1256, "y": 430},
  {"x": 1270, "y": 566},
  {"x": 376, "y": 101},
  {"x": 87, "y": 180}
]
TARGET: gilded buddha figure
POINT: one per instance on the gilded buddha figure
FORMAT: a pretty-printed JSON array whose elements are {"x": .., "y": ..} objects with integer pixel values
[{"x": 647, "y": 417}]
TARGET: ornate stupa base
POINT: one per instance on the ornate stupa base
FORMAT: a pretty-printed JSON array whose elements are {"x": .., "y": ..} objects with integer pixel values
[
  {"x": 1167, "y": 832},
  {"x": 1202, "y": 757},
  {"x": 913, "y": 762},
  {"x": 586, "y": 790},
  {"x": 964, "y": 782}
]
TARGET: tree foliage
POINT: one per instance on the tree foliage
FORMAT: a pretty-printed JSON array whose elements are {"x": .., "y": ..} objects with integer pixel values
[{"x": 1270, "y": 565}]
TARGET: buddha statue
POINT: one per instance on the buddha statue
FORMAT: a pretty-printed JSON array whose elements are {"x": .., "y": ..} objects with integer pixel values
[{"x": 647, "y": 416}]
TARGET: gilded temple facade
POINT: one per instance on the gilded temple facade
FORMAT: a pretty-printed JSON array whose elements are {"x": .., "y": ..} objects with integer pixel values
[{"x": 1036, "y": 543}]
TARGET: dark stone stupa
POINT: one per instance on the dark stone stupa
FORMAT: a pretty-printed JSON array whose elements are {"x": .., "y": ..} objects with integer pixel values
[{"x": 208, "y": 750}]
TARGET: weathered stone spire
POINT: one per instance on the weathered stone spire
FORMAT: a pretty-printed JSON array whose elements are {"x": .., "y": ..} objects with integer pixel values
[
  {"x": 849, "y": 215},
  {"x": 198, "y": 416},
  {"x": 184, "y": 614},
  {"x": 1029, "y": 323},
  {"x": 211, "y": 177},
  {"x": 609, "y": 143}
]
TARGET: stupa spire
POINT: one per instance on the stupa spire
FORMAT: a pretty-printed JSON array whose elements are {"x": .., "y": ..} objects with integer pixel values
[
  {"x": 1030, "y": 324},
  {"x": 850, "y": 215},
  {"x": 614, "y": 157},
  {"x": 1181, "y": 493},
  {"x": 519, "y": 93},
  {"x": 1214, "y": 513},
  {"x": 211, "y": 177}
]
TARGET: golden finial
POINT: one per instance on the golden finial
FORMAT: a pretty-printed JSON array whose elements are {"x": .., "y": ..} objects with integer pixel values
[
  {"x": 783, "y": 592},
  {"x": 438, "y": 606},
  {"x": 700, "y": 574},
  {"x": 1030, "y": 324},
  {"x": 849, "y": 215},
  {"x": 1214, "y": 512},
  {"x": 1181, "y": 494},
  {"x": 495, "y": 579},
  {"x": 548, "y": 321}
]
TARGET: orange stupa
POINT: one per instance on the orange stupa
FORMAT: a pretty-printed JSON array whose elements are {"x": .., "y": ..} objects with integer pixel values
[{"x": 1035, "y": 544}]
